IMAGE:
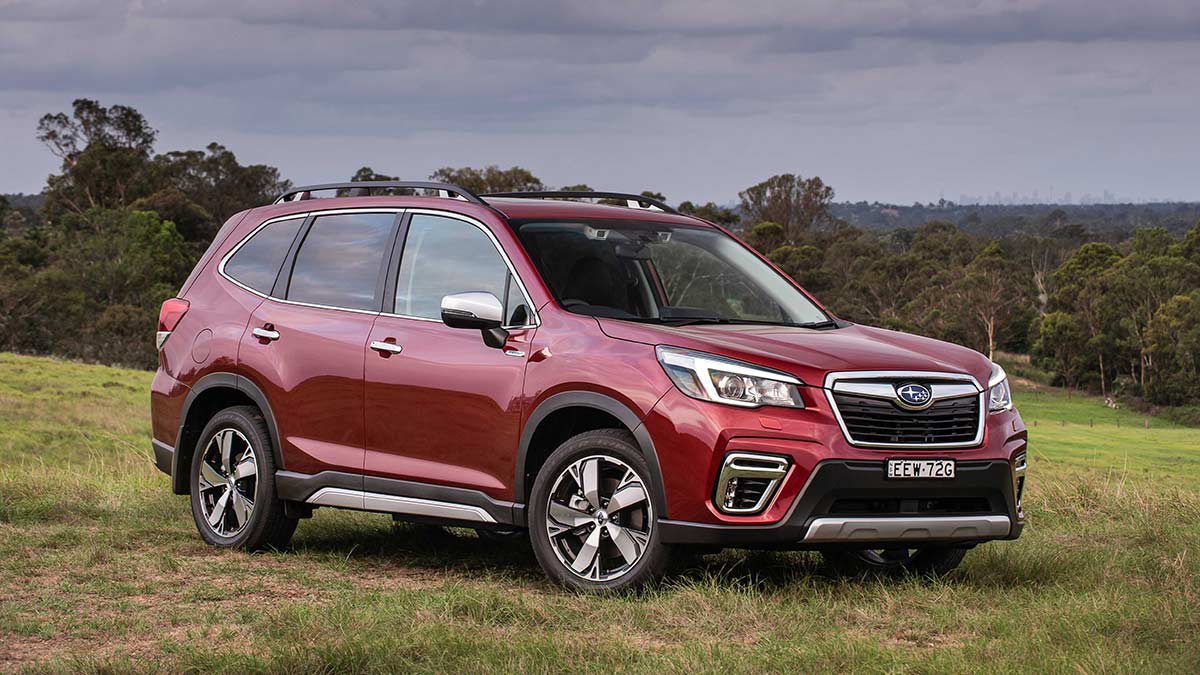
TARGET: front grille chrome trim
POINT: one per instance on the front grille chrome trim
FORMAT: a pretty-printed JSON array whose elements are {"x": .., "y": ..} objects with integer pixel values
[{"x": 868, "y": 383}]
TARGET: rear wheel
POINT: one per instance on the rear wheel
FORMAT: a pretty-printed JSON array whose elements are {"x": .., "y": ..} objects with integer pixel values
[
  {"x": 592, "y": 519},
  {"x": 233, "y": 484},
  {"x": 927, "y": 560}
]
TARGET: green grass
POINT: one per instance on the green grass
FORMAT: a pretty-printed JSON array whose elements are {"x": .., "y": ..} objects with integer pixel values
[{"x": 101, "y": 569}]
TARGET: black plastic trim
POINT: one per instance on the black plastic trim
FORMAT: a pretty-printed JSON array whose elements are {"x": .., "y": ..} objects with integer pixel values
[
  {"x": 299, "y": 487},
  {"x": 164, "y": 456},
  {"x": 590, "y": 399},
  {"x": 179, "y": 475},
  {"x": 586, "y": 194},
  {"x": 837, "y": 479}
]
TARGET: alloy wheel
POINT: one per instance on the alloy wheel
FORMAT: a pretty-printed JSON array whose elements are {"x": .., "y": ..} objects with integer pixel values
[
  {"x": 228, "y": 481},
  {"x": 599, "y": 518}
]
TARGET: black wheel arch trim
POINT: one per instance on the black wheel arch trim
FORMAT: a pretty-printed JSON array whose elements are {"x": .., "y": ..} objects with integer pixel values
[
  {"x": 179, "y": 474},
  {"x": 597, "y": 401}
]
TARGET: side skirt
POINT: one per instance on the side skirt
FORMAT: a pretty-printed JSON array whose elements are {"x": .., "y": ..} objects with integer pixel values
[{"x": 416, "y": 501}]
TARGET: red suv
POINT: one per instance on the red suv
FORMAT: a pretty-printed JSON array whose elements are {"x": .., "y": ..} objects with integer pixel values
[{"x": 616, "y": 378}]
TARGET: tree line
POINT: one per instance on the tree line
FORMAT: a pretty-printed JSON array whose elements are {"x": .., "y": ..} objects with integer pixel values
[{"x": 120, "y": 226}]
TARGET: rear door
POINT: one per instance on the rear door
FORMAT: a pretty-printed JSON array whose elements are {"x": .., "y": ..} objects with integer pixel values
[
  {"x": 441, "y": 406},
  {"x": 304, "y": 346}
]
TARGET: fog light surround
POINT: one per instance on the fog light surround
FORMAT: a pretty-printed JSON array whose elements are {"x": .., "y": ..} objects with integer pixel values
[{"x": 748, "y": 481}]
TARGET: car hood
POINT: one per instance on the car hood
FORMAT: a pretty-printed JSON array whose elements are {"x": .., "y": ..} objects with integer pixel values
[{"x": 809, "y": 353}]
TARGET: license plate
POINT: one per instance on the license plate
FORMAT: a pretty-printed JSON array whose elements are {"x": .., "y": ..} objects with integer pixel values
[{"x": 920, "y": 468}]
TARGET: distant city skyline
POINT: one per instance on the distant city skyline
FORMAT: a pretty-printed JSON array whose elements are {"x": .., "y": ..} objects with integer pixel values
[{"x": 886, "y": 100}]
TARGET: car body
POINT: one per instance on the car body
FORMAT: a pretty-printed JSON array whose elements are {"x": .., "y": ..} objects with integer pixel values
[{"x": 318, "y": 319}]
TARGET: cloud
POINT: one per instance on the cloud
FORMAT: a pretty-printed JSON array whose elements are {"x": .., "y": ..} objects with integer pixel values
[{"x": 876, "y": 93}]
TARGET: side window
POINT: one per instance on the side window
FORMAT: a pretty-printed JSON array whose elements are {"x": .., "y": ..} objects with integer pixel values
[
  {"x": 516, "y": 311},
  {"x": 338, "y": 263},
  {"x": 443, "y": 256},
  {"x": 257, "y": 262}
]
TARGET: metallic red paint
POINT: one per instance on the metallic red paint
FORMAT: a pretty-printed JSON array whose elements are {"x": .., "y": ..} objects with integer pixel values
[{"x": 450, "y": 410}]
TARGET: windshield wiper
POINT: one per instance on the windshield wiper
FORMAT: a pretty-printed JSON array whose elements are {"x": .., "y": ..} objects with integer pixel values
[{"x": 819, "y": 325}]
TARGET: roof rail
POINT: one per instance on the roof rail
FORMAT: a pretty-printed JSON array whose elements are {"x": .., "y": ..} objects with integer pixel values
[
  {"x": 363, "y": 189},
  {"x": 635, "y": 201}
]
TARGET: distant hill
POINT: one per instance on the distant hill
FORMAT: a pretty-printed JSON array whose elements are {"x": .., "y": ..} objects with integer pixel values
[
  {"x": 20, "y": 200},
  {"x": 999, "y": 220}
]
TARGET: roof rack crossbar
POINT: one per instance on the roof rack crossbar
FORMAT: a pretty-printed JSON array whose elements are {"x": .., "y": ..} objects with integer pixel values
[
  {"x": 583, "y": 194},
  {"x": 364, "y": 188}
]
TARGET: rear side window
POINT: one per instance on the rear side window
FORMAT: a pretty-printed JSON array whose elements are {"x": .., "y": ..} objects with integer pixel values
[
  {"x": 444, "y": 256},
  {"x": 339, "y": 262},
  {"x": 257, "y": 262}
]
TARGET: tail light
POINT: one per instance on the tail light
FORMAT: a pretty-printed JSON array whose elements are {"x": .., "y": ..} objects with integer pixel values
[{"x": 168, "y": 317}]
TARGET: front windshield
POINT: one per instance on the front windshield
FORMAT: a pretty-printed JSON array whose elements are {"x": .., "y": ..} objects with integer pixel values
[{"x": 648, "y": 271}]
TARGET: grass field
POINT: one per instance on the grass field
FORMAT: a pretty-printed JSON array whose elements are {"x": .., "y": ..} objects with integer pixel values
[{"x": 101, "y": 569}]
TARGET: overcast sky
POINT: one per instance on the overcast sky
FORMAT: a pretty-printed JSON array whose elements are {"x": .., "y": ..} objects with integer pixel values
[{"x": 886, "y": 100}]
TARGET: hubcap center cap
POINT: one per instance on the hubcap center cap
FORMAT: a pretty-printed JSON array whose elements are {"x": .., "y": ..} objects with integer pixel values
[{"x": 601, "y": 517}]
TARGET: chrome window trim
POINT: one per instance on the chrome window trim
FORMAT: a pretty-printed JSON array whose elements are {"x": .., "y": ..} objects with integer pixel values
[
  {"x": 832, "y": 379},
  {"x": 324, "y": 212}
]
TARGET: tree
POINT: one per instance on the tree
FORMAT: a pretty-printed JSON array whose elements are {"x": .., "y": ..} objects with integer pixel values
[
  {"x": 991, "y": 292},
  {"x": 797, "y": 203},
  {"x": 490, "y": 179},
  {"x": 1082, "y": 288},
  {"x": 1138, "y": 285},
  {"x": 105, "y": 155},
  {"x": 709, "y": 211},
  {"x": 1060, "y": 341},
  {"x": 213, "y": 179},
  {"x": 1174, "y": 342}
]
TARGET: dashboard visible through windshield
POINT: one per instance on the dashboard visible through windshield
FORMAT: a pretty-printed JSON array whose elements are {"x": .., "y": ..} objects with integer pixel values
[{"x": 647, "y": 271}]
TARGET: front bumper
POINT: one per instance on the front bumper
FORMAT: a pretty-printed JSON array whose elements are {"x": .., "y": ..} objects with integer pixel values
[{"x": 850, "y": 502}]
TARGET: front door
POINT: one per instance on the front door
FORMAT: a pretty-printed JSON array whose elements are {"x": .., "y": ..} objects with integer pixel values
[{"x": 441, "y": 406}]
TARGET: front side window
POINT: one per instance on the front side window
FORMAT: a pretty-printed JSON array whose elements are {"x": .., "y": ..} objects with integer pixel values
[
  {"x": 340, "y": 259},
  {"x": 443, "y": 256},
  {"x": 256, "y": 263},
  {"x": 648, "y": 271}
]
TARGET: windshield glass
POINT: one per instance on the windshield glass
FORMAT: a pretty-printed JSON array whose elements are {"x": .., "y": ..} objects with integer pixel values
[{"x": 661, "y": 272}]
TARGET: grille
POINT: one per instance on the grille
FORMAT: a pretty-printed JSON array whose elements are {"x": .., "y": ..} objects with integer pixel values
[{"x": 873, "y": 420}]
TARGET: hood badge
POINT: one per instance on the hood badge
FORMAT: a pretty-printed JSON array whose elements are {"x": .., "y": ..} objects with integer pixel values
[{"x": 914, "y": 396}]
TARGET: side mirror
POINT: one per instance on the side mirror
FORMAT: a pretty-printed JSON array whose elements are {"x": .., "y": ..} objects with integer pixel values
[{"x": 479, "y": 310}]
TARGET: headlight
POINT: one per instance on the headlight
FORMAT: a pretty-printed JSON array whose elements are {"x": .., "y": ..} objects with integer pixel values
[
  {"x": 999, "y": 393},
  {"x": 712, "y": 378}
]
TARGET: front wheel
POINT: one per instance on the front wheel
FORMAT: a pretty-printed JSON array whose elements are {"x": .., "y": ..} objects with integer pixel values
[
  {"x": 929, "y": 560},
  {"x": 592, "y": 520}
]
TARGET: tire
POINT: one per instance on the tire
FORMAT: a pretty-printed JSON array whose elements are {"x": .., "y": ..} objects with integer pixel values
[
  {"x": 931, "y": 561},
  {"x": 241, "y": 512},
  {"x": 580, "y": 544}
]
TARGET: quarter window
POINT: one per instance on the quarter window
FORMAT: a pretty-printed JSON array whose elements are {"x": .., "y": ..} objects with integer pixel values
[
  {"x": 257, "y": 262},
  {"x": 339, "y": 262},
  {"x": 444, "y": 256}
]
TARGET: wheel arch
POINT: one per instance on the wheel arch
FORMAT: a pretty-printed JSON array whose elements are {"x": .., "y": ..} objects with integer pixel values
[
  {"x": 211, "y": 394},
  {"x": 540, "y": 432}
]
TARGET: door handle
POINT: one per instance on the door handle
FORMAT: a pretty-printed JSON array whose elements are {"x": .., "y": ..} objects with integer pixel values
[
  {"x": 389, "y": 347},
  {"x": 266, "y": 334}
]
